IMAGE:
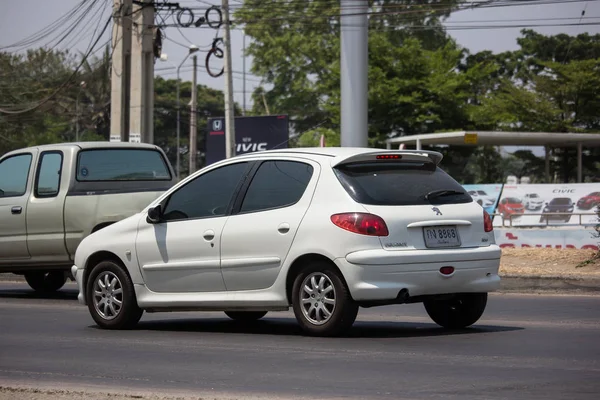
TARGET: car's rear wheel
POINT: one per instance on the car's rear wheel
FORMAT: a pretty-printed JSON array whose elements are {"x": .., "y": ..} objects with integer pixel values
[
  {"x": 46, "y": 281},
  {"x": 460, "y": 311},
  {"x": 245, "y": 316},
  {"x": 322, "y": 302},
  {"x": 111, "y": 297}
]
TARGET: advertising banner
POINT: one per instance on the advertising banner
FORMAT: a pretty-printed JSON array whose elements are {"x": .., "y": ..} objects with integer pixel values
[
  {"x": 564, "y": 238},
  {"x": 486, "y": 195},
  {"x": 251, "y": 134},
  {"x": 562, "y": 204}
]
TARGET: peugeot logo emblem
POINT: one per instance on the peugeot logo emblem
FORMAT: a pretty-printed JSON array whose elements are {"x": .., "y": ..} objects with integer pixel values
[
  {"x": 217, "y": 124},
  {"x": 436, "y": 210}
]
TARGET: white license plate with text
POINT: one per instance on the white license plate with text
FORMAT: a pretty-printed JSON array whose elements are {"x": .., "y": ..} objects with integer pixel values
[{"x": 441, "y": 236}]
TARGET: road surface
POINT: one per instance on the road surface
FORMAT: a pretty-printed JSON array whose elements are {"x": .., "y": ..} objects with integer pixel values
[{"x": 525, "y": 347}]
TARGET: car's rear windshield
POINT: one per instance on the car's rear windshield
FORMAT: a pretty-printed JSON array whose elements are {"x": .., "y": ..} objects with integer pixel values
[
  {"x": 121, "y": 165},
  {"x": 561, "y": 200},
  {"x": 400, "y": 183}
]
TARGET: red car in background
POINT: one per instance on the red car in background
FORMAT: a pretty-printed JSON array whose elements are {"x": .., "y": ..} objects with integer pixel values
[
  {"x": 510, "y": 206},
  {"x": 590, "y": 201}
]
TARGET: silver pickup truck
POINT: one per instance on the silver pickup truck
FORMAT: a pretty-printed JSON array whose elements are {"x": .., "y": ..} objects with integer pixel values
[{"x": 53, "y": 196}]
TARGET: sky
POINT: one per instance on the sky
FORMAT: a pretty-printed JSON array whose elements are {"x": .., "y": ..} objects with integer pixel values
[{"x": 21, "y": 18}]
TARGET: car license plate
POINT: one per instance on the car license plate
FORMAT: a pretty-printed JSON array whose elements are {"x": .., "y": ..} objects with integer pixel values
[{"x": 441, "y": 236}]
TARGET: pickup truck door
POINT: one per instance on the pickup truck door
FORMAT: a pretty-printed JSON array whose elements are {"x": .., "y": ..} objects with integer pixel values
[
  {"x": 45, "y": 212},
  {"x": 15, "y": 185}
]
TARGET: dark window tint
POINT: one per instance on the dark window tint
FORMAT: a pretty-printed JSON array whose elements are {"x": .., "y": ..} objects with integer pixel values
[
  {"x": 206, "y": 196},
  {"x": 277, "y": 184},
  {"x": 48, "y": 179},
  {"x": 121, "y": 165},
  {"x": 13, "y": 175},
  {"x": 513, "y": 200},
  {"x": 400, "y": 183}
]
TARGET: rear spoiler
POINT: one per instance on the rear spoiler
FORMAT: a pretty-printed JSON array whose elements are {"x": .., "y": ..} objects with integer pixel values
[{"x": 387, "y": 155}]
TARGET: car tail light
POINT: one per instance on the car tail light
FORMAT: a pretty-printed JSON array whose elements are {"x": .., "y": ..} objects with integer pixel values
[
  {"x": 388, "y": 157},
  {"x": 361, "y": 223},
  {"x": 488, "y": 225}
]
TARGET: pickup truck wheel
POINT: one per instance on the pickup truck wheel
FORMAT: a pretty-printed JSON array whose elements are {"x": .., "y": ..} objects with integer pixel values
[
  {"x": 111, "y": 297},
  {"x": 46, "y": 281},
  {"x": 321, "y": 301},
  {"x": 458, "y": 312},
  {"x": 245, "y": 316}
]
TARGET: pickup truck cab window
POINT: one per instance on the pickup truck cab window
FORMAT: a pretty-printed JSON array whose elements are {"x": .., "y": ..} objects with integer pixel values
[
  {"x": 14, "y": 172},
  {"x": 121, "y": 165},
  {"x": 47, "y": 182}
]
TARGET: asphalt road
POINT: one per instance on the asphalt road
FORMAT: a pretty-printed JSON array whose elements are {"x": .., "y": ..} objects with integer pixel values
[{"x": 525, "y": 347}]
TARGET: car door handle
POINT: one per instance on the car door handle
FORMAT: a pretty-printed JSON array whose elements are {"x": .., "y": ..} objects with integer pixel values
[
  {"x": 209, "y": 235},
  {"x": 283, "y": 228},
  {"x": 16, "y": 210}
]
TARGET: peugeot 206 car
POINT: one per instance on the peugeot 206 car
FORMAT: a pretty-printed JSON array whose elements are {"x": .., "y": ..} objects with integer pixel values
[{"x": 324, "y": 231}]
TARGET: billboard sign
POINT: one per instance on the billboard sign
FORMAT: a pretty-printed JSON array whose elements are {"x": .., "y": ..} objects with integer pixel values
[
  {"x": 562, "y": 204},
  {"x": 571, "y": 238},
  {"x": 486, "y": 195},
  {"x": 251, "y": 134}
]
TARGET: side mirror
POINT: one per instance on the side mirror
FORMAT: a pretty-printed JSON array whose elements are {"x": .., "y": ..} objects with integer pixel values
[{"x": 154, "y": 215}]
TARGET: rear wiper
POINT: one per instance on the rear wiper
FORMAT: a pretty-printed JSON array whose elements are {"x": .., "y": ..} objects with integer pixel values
[{"x": 442, "y": 192}]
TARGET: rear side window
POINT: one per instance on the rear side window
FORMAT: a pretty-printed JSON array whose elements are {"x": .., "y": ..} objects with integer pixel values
[
  {"x": 49, "y": 170},
  {"x": 277, "y": 184},
  {"x": 400, "y": 183},
  {"x": 121, "y": 165}
]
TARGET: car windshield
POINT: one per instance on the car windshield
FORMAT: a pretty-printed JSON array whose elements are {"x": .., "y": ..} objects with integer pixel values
[
  {"x": 481, "y": 192},
  {"x": 400, "y": 183},
  {"x": 561, "y": 201},
  {"x": 533, "y": 196},
  {"x": 512, "y": 200}
]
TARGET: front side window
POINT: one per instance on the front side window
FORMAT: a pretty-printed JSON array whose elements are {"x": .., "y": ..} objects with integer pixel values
[
  {"x": 48, "y": 180},
  {"x": 277, "y": 184},
  {"x": 208, "y": 195},
  {"x": 14, "y": 172},
  {"x": 121, "y": 165}
]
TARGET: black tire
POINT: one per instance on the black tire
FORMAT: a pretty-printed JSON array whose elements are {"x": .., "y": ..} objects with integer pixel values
[
  {"x": 344, "y": 311},
  {"x": 245, "y": 316},
  {"x": 46, "y": 281},
  {"x": 129, "y": 313},
  {"x": 460, "y": 311}
]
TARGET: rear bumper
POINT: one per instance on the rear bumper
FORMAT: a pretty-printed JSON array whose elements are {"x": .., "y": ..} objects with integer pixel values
[{"x": 382, "y": 274}]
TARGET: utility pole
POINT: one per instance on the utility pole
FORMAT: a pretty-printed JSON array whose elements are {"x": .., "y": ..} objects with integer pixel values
[
  {"x": 354, "y": 69},
  {"x": 229, "y": 117},
  {"x": 142, "y": 76},
  {"x": 120, "y": 71},
  {"x": 193, "y": 118},
  {"x": 244, "y": 73}
]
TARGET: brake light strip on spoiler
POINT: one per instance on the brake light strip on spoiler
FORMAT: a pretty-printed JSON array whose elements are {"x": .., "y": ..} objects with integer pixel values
[{"x": 390, "y": 155}]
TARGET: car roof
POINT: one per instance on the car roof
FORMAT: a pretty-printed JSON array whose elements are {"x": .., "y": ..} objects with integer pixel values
[
  {"x": 86, "y": 145},
  {"x": 339, "y": 154}
]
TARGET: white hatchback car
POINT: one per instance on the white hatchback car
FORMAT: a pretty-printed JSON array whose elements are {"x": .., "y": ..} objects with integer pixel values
[{"x": 323, "y": 230}]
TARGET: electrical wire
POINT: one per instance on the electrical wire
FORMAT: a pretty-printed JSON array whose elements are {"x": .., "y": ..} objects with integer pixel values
[{"x": 65, "y": 83}]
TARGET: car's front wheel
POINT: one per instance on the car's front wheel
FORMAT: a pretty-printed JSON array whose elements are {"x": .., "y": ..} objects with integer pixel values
[
  {"x": 46, "y": 281},
  {"x": 322, "y": 302},
  {"x": 457, "y": 312},
  {"x": 111, "y": 297},
  {"x": 245, "y": 316}
]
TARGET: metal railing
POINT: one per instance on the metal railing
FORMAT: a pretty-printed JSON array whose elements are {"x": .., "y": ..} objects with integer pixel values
[{"x": 549, "y": 217}]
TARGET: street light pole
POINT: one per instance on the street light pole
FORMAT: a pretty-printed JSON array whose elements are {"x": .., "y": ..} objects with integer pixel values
[{"x": 164, "y": 57}]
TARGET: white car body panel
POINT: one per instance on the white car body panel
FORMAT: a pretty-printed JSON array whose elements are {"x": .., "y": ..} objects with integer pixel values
[{"x": 247, "y": 269}]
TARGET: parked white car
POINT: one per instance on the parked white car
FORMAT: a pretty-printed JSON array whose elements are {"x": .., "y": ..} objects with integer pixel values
[
  {"x": 322, "y": 230},
  {"x": 482, "y": 198},
  {"x": 533, "y": 201}
]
